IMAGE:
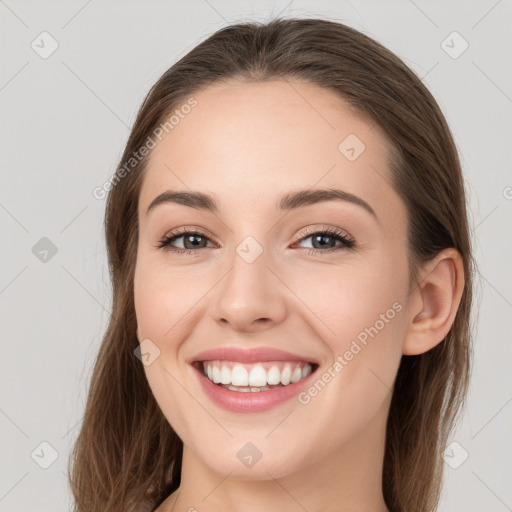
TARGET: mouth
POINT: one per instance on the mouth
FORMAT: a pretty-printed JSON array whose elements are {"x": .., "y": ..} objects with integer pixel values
[
  {"x": 252, "y": 380},
  {"x": 254, "y": 377}
]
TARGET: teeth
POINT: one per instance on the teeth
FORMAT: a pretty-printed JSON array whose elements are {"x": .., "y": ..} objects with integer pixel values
[
  {"x": 273, "y": 376},
  {"x": 239, "y": 376},
  {"x": 258, "y": 376},
  {"x": 247, "y": 389},
  {"x": 286, "y": 376},
  {"x": 296, "y": 374},
  {"x": 225, "y": 375},
  {"x": 254, "y": 377}
]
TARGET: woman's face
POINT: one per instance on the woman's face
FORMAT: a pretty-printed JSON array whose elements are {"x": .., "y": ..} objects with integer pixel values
[{"x": 257, "y": 275}]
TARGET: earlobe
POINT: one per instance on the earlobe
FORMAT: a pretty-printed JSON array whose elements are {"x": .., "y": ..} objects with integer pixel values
[{"x": 436, "y": 300}]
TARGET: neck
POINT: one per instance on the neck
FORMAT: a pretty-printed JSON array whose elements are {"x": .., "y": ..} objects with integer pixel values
[{"x": 346, "y": 480}]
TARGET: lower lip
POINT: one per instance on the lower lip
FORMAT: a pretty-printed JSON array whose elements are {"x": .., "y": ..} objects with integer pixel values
[{"x": 258, "y": 401}]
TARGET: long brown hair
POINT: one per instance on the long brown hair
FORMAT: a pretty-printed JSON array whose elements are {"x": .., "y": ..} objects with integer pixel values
[{"x": 126, "y": 454}]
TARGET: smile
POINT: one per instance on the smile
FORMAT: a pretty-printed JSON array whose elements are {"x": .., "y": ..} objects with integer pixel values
[
  {"x": 252, "y": 380},
  {"x": 261, "y": 376}
]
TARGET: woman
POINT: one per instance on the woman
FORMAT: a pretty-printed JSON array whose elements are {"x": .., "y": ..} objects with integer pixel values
[{"x": 292, "y": 283}]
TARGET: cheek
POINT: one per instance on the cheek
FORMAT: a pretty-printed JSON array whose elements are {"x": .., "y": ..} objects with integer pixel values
[
  {"x": 163, "y": 299},
  {"x": 152, "y": 322},
  {"x": 359, "y": 311},
  {"x": 163, "y": 305},
  {"x": 344, "y": 299}
]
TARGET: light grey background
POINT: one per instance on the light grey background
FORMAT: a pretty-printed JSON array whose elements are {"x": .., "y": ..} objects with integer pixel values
[{"x": 64, "y": 122}]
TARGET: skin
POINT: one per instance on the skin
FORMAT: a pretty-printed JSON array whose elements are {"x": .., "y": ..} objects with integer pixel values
[{"x": 247, "y": 144}]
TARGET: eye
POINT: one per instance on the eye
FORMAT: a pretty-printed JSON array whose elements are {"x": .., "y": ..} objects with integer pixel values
[
  {"x": 192, "y": 240},
  {"x": 323, "y": 241}
]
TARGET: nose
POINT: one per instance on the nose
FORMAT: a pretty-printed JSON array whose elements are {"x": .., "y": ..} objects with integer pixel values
[{"x": 250, "y": 298}]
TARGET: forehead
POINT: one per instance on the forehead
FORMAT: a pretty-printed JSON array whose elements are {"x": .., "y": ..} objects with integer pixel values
[{"x": 255, "y": 141}]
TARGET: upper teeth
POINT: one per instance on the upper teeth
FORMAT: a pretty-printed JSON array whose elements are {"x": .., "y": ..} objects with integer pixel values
[{"x": 238, "y": 374}]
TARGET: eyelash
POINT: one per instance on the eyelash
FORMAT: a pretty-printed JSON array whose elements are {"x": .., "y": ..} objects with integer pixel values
[{"x": 347, "y": 243}]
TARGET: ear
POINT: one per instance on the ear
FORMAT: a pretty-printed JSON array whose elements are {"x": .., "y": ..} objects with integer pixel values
[{"x": 434, "y": 302}]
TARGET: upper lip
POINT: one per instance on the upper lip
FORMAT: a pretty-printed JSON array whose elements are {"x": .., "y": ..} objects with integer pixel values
[{"x": 249, "y": 355}]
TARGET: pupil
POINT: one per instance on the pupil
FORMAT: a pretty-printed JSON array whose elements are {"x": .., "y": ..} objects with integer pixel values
[
  {"x": 322, "y": 238},
  {"x": 191, "y": 237}
]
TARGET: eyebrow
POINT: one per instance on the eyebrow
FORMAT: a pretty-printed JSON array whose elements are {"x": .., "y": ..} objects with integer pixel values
[{"x": 290, "y": 201}]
